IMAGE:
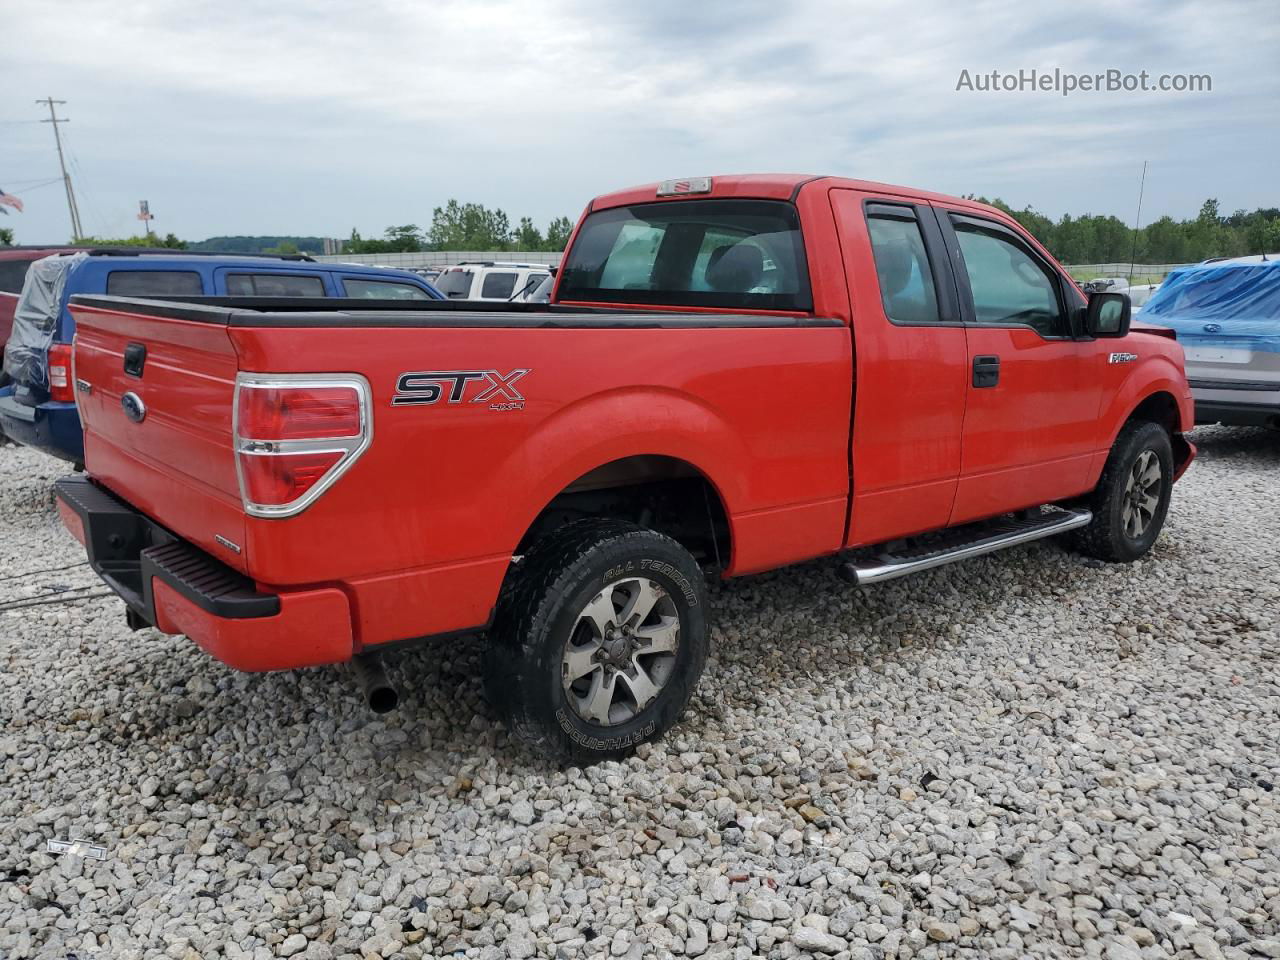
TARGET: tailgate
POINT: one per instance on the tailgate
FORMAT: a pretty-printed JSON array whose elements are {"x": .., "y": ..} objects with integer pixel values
[{"x": 155, "y": 394}]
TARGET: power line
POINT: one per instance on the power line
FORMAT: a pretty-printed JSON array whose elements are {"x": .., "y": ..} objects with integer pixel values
[
  {"x": 32, "y": 184},
  {"x": 76, "y": 230}
]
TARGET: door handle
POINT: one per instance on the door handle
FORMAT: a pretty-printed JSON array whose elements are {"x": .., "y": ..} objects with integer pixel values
[
  {"x": 986, "y": 371},
  {"x": 135, "y": 358}
]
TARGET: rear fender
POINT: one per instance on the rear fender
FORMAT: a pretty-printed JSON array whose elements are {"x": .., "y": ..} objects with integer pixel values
[{"x": 625, "y": 422}]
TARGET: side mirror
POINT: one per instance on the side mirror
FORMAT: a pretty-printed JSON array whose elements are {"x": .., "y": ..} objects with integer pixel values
[{"x": 1107, "y": 315}]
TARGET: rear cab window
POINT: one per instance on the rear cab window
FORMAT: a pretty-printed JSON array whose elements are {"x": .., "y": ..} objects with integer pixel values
[
  {"x": 274, "y": 285},
  {"x": 734, "y": 254},
  {"x": 154, "y": 283}
]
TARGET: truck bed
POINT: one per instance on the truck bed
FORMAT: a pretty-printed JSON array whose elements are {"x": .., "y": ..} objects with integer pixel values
[{"x": 332, "y": 312}]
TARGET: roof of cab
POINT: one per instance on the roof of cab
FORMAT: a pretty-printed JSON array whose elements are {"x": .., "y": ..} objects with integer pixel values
[{"x": 773, "y": 186}]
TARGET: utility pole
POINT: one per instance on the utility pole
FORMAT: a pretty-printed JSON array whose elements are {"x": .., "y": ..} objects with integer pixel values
[{"x": 76, "y": 231}]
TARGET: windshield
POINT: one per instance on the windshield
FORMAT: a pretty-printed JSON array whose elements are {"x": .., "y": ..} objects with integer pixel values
[{"x": 745, "y": 254}]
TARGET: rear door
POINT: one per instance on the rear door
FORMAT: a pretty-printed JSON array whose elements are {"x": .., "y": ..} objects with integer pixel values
[
  {"x": 1030, "y": 419},
  {"x": 911, "y": 365}
]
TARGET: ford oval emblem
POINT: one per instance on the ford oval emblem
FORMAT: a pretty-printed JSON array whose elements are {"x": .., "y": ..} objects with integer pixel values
[
  {"x": 133, "y": 406},
  {"x": 1213, "y": 328}
]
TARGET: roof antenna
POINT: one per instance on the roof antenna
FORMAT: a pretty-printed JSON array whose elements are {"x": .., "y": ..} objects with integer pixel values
[{"x": 1137, "y": 220}]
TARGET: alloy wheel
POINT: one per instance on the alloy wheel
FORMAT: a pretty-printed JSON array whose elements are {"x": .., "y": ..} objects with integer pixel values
[{"x": 621, "y": 652}]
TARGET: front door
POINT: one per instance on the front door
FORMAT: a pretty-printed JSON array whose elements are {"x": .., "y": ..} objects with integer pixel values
[{"x": 1032, "y": 401}]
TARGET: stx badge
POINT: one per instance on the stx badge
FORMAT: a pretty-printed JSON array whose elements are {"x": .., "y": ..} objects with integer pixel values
[{"x": 491, "y": 387}]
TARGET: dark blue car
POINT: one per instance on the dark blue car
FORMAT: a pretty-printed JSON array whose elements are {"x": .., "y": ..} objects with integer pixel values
[{"x": 37, "y": 395}]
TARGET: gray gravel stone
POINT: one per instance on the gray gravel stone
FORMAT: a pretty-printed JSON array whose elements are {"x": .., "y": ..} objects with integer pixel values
[{"x": 1035, "y": 755}]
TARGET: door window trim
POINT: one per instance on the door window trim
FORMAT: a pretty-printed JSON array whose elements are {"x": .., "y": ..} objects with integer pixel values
[
  {"x": 946, "y": 217},
  {"x": 944, "y": 285}
]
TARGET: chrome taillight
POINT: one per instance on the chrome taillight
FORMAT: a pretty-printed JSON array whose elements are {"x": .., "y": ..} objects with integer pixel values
[{"x": 295, "y": 435}]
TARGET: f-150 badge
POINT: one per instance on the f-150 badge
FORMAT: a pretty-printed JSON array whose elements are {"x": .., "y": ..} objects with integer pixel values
[
  {"x": 486, "y": 386},
  {"x": 1122, "y": 358}
]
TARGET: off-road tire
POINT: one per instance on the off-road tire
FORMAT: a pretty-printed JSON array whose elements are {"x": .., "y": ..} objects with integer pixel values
[
  {"x": 1105, "y": 536},
  {"x": 539, "y": 609}
]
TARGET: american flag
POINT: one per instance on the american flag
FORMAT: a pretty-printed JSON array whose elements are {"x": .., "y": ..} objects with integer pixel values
[{"x": 9, "y": 200}]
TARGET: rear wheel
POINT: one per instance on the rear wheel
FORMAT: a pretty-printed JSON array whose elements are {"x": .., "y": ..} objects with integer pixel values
[
  {"x": 1132, "y": 497},
  {"x": 598, "y": 642}
]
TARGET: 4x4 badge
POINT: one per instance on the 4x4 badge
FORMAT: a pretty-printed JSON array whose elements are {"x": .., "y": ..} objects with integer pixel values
[{"x": 428, "y": 386}]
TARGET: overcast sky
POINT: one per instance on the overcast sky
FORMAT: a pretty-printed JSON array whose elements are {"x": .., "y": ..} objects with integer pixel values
[{"x": 234, "y": 117}]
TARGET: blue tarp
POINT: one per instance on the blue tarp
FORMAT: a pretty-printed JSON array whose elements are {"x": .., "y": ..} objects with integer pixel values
[{"x": 1235, "y": 304}]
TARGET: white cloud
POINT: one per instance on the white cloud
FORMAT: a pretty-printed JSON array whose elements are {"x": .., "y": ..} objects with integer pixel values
[{"x": 235, "y": 117}]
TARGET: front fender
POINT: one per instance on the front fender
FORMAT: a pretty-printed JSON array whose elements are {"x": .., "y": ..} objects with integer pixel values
[{"x": 1152, "y": 375}]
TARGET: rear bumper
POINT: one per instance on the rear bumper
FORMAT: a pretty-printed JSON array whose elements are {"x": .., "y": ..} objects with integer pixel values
[
  {"x": 1237, "y": 414},
  {"x": 1245, "y": 403},
  {"x": 52, "y": 428},
  {"x": 174, "y": 586}
]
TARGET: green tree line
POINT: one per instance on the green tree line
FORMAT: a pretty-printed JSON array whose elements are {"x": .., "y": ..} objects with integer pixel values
[
  {"x": 466, "y": 226},
  {"x": 168, "y": 242},
  {"x": 1072, "y": 239},
  {"x": 1099, "y": 239}
]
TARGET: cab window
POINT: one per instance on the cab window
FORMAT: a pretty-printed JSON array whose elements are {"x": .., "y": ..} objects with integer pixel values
[
  {"x": 902, "y": 265},
  {"x": 1010, "y": 286}
]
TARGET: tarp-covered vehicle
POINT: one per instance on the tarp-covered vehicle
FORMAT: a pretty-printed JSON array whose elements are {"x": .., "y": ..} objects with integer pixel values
[{"x": 1227, "y": 318}]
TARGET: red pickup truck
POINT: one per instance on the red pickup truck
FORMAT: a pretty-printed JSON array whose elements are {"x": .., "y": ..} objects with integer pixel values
[{"x": 733, "y": 374}]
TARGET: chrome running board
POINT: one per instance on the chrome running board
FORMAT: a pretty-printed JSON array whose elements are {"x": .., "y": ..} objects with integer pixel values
[{"x": 961, "y": 544}]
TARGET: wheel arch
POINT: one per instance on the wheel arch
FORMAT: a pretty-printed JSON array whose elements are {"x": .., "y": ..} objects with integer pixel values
[
  {"x": 1161, "y": 407},
  {"x": 666, "y": 493}
]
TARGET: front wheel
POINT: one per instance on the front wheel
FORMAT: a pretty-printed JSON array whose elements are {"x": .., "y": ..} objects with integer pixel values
[
  {"x": 1132, "y": 497},
  {"x": 598, "y": 642}
]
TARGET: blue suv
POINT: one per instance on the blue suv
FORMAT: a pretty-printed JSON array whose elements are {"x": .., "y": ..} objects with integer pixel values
[{"x": 37, "y": 395}]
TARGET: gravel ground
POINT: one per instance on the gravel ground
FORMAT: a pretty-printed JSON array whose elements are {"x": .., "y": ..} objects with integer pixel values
[{"x": 1027, "y": 755}]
